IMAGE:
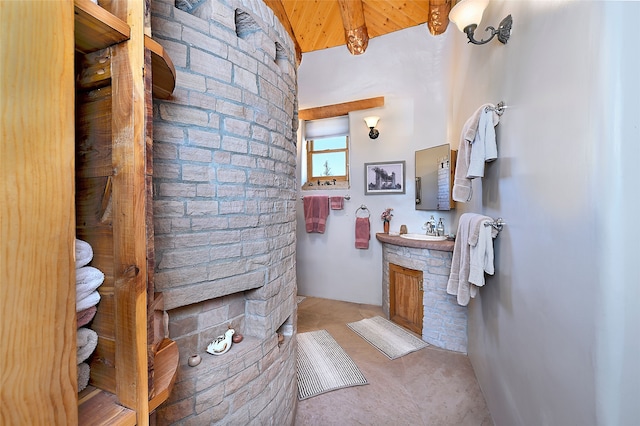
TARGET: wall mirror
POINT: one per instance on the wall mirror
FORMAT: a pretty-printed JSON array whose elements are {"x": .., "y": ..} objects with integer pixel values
[{"x": 434, "y": 177}]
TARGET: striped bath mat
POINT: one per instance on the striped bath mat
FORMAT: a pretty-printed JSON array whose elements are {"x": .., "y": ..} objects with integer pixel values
[
  {"x": 390, "y": 339},
  {"x": 323, "y": 365}
]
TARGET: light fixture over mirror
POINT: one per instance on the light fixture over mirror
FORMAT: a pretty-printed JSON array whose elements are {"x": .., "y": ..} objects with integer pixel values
[
  {"x": 467, "y": 14},
  {"x": 372, "y": 122}
]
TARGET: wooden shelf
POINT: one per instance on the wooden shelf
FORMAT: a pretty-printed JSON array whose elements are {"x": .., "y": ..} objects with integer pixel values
[
  {"x": 166, "y": 369},
  {"x": 108, "y": 58},
  {"x": 164, "y": 73},
  {"x": 96, "y": 28},
  {"x": 98, "y": 407}
]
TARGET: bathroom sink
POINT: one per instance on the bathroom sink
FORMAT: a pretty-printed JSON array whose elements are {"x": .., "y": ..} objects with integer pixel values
[{"x": 423, "y": 237}]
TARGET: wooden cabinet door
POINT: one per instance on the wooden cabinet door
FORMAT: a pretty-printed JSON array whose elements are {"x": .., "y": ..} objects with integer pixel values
[{"x": 405, "y": 297}]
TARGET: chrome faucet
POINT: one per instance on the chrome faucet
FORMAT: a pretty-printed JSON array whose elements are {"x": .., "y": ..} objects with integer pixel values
[{"x": 430, "y": 226}]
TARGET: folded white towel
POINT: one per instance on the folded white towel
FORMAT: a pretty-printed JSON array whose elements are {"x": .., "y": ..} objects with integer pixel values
[
  {"x": 87, "y": 340},
  {"x": 91, "y": 300},
  {"x": 84, "y": 253},
  {"x": 83, "y": 375},
  {"x": 88, "y": 279}
]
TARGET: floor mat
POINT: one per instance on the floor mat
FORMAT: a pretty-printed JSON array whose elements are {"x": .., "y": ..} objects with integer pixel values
[
  {"x": 389, "y": 338},
  {"x": 323, "y": 365}
]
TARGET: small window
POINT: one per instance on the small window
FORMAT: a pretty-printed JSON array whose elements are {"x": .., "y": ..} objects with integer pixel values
[
  {"x": 328, "y": 159},
  {"x": 326, "y": 165}
]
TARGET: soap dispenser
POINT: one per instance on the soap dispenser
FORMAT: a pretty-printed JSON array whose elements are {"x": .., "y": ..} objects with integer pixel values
[
  {"x": 440, "y": 228},
  {"x": 431, "y": 226}
]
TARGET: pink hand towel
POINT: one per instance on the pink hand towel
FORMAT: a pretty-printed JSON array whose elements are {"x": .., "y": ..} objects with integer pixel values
[
  {"x": 84, "y": 317},
  {"x": 362, "y": 233},
  {"x": 337, "y": 203},
  {"x": 316, "y": 210}
]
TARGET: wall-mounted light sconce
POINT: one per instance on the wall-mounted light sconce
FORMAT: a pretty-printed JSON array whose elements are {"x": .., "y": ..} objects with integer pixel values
[
  {"x": 372, "y": 122},
  {"x": 467, "y": 14}
]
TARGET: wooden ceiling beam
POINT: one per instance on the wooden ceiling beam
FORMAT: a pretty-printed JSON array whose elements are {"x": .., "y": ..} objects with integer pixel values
[
  {"x": 355, "y": 28},
  {"x": 337, "y": 110},
  {"x": 316, "y": 25},
  {"x": 438, "y": 16}
]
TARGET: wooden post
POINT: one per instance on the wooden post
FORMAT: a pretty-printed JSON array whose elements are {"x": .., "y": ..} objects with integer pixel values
[
  {"x": 129, "y": 212},
  {"x": 38, "y": 374}
]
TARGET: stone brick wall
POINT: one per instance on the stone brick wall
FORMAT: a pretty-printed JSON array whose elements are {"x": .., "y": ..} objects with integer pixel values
[
  {"x": 224, "y": 209},
  {"x": 445, "y": 322}
]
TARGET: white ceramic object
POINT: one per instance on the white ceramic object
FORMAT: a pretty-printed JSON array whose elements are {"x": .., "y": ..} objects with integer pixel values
[
  {"x": 194, "y": 360},
  {"x": 423, "y": 237},
  {"x": 221, "y": 344}
]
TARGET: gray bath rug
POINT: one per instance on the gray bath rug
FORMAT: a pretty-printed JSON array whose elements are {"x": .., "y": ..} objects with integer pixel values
[
  {"x": 389, "y": 338},
  {"x": 323, "y": 365},
  {"x": 300, "y": 298}
]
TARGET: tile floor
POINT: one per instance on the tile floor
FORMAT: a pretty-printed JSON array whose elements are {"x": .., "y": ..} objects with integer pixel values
[{"x": 428, "y": 387}]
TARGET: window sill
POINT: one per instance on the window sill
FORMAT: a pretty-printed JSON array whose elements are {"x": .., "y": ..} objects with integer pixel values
[{"x": 313, "y": 186}]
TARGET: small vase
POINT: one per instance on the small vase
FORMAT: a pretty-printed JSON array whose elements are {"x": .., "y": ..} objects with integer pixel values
[
  {"x": 385, "y": 225},
  {"x": 194, "y": 360}
]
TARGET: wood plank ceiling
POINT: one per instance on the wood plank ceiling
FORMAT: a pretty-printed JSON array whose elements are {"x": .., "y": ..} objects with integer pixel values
[{"x": 320, "y": 24}]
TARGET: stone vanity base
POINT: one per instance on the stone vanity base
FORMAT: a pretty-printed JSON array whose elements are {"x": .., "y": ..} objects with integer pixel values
[{"x": 445, "y": 322}]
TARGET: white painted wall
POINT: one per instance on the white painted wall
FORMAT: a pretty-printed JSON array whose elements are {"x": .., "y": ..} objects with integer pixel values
[
  {"x": 554, "y": 337},
  {"x": 410, "y": 69}
]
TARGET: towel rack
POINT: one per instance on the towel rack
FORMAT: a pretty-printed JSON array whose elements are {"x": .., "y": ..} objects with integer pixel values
[
  {"x": 363, "y": 207},
  {"x": 499, "y": 108},
  {"x": 496, "y": 224},
  {"x": 346, "y": 197}
]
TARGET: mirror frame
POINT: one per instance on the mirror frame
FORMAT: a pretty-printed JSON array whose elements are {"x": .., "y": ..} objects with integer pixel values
[{"x": 428, "y": 163}]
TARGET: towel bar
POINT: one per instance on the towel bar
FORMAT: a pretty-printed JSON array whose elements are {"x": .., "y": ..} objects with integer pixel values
[
  {"x": 499, "y": 108},
  {"x": 496, "y": 224},
  {"x": 346, "y": 197}
]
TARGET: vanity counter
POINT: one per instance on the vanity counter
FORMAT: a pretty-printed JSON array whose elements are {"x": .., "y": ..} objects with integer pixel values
[{"x": 405, "y": 242}]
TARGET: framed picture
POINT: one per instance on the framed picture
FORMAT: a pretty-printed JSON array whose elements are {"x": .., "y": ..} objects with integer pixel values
[{"x": 384, "y": 178}]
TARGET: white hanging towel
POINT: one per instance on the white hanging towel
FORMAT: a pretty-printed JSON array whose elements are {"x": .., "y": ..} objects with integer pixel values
[
  {"x": 462, "y": 190},
  {"x": 481, "y": 252},
  {"x": 458, "y": 284},
  {"x": 483, "y": 147},
  {"x": 470, "y": 230}
]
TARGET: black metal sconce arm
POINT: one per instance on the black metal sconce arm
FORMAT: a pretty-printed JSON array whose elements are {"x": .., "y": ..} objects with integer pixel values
[{"x": 503, "y": 32}]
